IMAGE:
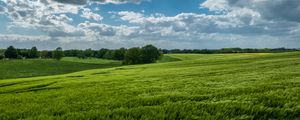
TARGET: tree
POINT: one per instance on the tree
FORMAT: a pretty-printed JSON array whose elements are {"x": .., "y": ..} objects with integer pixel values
[
  {"x": 23, "y": 53},
  {"x": 164, "y": 51},
  {"x": 101, "y": 53},
  {"x": 119, "y": 54},
  {"x": 150, "y": 54},
  {"x": 88, "y": 53},
  {"x": 33, "y": 53},
  {"x": 11, "y": 52},
  {"x": 133, "y": 56},
  {"x": 46, "y": 54},
  {"x": 58, "y": 53},
  {"x": 108, "y": 54},
  {"x": 81, "y": 55},
  {"x": 72, "y": 53}
]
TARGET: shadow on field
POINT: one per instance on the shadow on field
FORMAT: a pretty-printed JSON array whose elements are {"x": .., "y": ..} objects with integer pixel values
[{"x": 76, "y": 76}]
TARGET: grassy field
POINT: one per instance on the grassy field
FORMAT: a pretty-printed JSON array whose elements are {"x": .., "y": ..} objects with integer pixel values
[
  {"x": 42, "y": 67},
  {"x": 109, "y": 63},
  {"x": 221, "y": 86}
]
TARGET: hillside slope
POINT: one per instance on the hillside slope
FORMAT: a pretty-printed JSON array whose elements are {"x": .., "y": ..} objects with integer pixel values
[
  {"x": 45, "y": 67},
  {"x": 231, "y": 86}
]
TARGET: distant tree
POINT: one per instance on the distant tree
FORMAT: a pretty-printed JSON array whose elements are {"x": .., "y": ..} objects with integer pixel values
[
  {"x": 150, "y": 54},
  {"x": 58, "y": 53},
  {"x": 88, "y": 53},
  {"x": 109, "y": 54},
  {"x": 119, "y": 54},
  {"x": 81, "y": 55},
  {"x": 164, "y": 51},
  {"x": 11, "y": 52},
  {"x": 34, "y": 52},
  {"x": 24, "y": 53},
  {"x": 133, "y": 56},
  {"x": 175, "y": 51},
  {"x": 101, "y": 53},
  {"x": 46, "y": 54},
  {"x": 72, "y": 53}
]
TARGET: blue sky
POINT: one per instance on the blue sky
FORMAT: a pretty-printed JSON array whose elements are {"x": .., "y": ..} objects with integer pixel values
[
  {"x": 166, "y": 7},
  {"x": 184, "y": 24}
]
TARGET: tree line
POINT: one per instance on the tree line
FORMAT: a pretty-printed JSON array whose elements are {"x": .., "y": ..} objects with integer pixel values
[
  {"x": 229, "y": 50},
  {"x": 135, "y": 55},
  {"x": 15, "y": 53}
]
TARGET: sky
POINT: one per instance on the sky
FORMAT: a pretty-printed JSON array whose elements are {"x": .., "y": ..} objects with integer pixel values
[{"x": 169, "y": 24}]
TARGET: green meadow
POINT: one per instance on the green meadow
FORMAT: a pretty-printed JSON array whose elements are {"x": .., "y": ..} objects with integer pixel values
[
  {"x": 179, "y": 86},
  {"x": 46, "y": 67}
]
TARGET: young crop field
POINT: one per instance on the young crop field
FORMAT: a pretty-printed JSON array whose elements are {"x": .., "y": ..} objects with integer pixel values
[{"x": 192, "y": 86}]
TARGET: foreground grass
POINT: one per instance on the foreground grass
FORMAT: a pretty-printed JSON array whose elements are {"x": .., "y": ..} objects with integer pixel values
[
  {"x": 231, "y": 86},
  {"x": 46, "y": 67}
]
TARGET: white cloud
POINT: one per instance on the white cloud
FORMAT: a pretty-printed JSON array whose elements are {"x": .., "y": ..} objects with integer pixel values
[
  {"x": 16, "y": 37},
  {"x": 87, "y": 13},
  {"x": 269, "y": 9},
  {"x": 130, "y": 16},
  {"x": 219, "y": 6},
  {"x": 100, "y": 29}
]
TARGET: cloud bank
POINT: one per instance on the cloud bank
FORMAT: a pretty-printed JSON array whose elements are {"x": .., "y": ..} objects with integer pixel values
[{"x": 230, "y": 23}]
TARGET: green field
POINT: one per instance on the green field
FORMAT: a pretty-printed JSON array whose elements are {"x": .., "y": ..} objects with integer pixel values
[
  {"x": 108, "y": 63},
  {"x": 218, "y": 86},
  {"x": 46, "y": 67}
]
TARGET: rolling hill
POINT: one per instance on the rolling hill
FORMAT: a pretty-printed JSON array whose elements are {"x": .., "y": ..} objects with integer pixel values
[{"x": 219, "y": 86}]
